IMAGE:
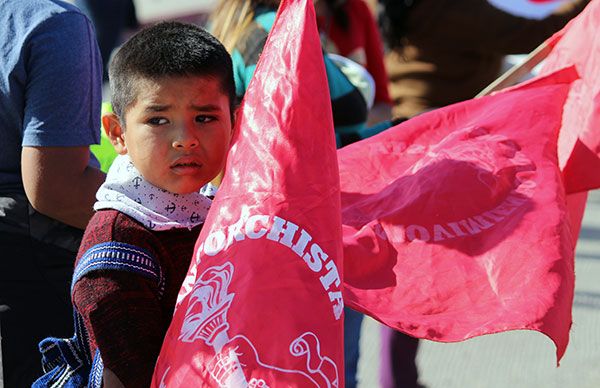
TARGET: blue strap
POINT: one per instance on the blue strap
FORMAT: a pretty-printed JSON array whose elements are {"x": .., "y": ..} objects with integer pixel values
[
  {"x": 97, "y": 371},
  {"x": 67, "y": 361},
  {"x": 119, "y": 256}
]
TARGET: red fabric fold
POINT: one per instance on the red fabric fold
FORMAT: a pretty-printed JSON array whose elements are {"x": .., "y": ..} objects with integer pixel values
[{"x": 578, "y": 44}]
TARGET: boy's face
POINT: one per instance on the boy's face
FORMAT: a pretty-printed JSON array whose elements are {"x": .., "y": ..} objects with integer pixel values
[{"x": 177, "y": 131}]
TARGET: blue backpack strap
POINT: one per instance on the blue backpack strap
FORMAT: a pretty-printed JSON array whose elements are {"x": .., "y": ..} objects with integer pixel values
[
  {"x": 119, "y": 256},
  {"x": 96, "y": 371},
  {"x": 67, "y": 361}
]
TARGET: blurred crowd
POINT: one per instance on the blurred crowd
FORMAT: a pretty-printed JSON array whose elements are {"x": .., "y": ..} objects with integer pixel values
[{"x": 386, "y": 61}]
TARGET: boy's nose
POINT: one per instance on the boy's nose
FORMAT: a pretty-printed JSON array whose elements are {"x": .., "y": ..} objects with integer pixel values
[
  {"x": 185, "y": 143},
  {"x": 186, "y": 140}
]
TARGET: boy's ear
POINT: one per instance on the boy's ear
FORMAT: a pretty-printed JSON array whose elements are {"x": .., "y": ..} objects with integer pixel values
[
  {"x": 114, "y": 131},
  {"x": 234, "y": 117}
]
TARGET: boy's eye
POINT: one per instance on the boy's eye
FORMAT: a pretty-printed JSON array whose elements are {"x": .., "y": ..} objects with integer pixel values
[
  {"x": 204, "y": 119},
  {"x": 157, "y": 121}
]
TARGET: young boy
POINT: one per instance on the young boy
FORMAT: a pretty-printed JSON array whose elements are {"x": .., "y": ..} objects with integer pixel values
[{"x": 173, "y": 94}]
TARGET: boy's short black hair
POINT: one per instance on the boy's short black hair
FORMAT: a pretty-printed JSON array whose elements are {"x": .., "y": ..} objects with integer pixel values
[{"x": 168, "y": 49}]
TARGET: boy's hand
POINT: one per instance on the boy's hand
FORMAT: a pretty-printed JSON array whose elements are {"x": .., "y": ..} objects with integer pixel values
[{"x": 110, "y": 380}]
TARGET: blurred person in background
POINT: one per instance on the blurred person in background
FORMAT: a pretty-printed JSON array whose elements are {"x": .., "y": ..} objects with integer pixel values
[
  {"x": 111, "y": 19},
  {"x": 243, "y": 27},
  {"x": 445, "y": 51},
  {"x": 348, "y": 28},
  {"x": 50, "y": 81}
]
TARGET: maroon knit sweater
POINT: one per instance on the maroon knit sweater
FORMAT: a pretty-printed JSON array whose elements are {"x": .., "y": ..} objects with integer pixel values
[{"x": 122, "y": 311}]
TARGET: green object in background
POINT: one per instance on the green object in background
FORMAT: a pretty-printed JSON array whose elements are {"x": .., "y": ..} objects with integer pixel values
[{"x": 104, "y": 152}]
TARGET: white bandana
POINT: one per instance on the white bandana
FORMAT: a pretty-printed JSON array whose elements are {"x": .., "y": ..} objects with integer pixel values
[{"x": 127, "y": 191}]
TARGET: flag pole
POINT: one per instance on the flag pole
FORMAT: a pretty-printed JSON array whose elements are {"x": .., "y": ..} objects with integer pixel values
[{"x": 518, "y": 71}]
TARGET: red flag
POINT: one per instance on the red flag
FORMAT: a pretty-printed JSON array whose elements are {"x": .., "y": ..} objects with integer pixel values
[
  {"x": 262, "y": 304},
  {"x": 579, "y": 140},
  {"x": 454, "y": 221}
]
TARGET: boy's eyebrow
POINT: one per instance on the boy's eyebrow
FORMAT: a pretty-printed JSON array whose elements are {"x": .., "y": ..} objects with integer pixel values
[
  {"x": 157, "y": 108},
  {"x": 206, "y": 108},
  {"x": 200, "y": 108}
]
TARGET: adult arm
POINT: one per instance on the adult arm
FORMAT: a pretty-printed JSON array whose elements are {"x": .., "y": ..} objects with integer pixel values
[
  {"x": 61, "y": 118},
  {"x": 59, "y": 182},
  {"x": 382, "y": 108},
  {"x": 374, "y": 53}
]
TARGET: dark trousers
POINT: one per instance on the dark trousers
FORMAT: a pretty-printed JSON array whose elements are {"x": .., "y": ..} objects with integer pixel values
[
  {"x": 403, "y": 360},
  {"x": 352, "y": 325},
  {"x": 35, "y": 285}
]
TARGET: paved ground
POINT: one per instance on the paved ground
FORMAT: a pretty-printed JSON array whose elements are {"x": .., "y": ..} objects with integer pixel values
[{"x": 516, "y": 359}]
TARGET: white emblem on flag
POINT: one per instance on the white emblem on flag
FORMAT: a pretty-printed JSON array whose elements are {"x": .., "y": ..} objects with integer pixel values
[{"x": 206, "y": 320}]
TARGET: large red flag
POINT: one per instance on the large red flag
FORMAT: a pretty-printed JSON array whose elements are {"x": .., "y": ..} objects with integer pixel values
[
  {"x": 262, "y": 304},
  {"x": 578, "y": 44},
  {"x": 455, "y": 223}
]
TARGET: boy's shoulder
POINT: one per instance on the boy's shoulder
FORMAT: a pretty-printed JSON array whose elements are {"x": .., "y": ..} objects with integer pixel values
[{"x": 112, "y": 225}]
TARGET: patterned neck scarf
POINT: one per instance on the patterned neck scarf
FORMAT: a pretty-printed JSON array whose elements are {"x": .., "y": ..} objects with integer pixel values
[{"x": 127, "y": 191}]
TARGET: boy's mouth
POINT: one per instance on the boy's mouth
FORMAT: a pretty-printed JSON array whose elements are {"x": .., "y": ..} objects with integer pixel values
[{"x": 186, "y": 166}]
